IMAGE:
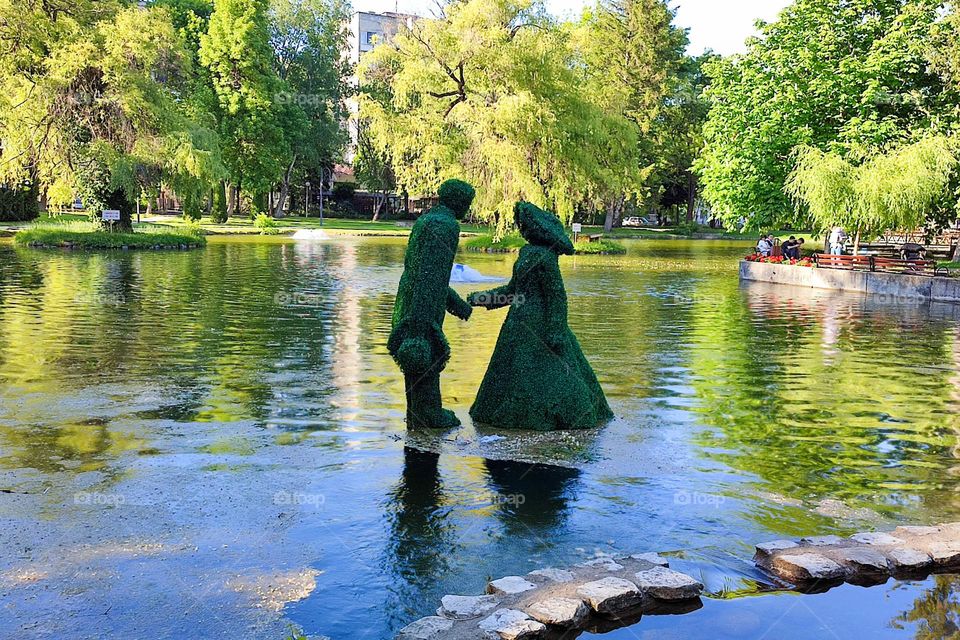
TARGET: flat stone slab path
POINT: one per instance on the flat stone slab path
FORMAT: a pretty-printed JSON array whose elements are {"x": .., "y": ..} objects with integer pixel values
[
  {"x": 863, "y": 558},
  {"x": 612, "y": 591}
]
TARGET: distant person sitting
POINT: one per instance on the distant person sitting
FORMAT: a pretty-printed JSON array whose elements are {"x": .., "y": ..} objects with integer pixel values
[
  {"x": 789, "y": 246},
  {"x": 765, "y": 246},
  {"x": 798, "y": 249},
  {"x": 793, "y": 247},
  {"x": 913, "y": 251}
]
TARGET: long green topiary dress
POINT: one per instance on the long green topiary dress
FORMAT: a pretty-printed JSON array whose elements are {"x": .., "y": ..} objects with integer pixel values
[{"x": 538, "y": 377}]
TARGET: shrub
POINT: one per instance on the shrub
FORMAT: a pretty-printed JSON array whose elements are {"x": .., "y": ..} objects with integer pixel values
[
  {"x": 219, "y": 212},
  {"x": 192, "y": 209},
  {"x": 266, "y": 224}
]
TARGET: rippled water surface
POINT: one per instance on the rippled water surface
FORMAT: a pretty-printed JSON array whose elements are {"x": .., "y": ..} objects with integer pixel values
[{"x": 211, "y": 443}]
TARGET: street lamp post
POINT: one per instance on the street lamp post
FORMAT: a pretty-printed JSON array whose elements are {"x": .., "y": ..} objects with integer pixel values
[{"x": 306, "y": 201}]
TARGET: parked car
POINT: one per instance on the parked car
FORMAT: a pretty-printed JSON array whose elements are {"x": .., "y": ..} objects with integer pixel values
[{"x": 636, "y": 221}]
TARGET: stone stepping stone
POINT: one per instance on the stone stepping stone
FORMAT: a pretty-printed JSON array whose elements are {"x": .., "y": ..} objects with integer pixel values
[
  {"x": 945, "y": 553},
  {"x": 610, "y": 595},
  {"x": 511, "y": 585},
  {"x": 667, "y": 584},
  {"x": 563, "y": 612},
  {"x": 769, "y": 548},
  {"x": 907, "y": 559},
  {"x": 652, "y": 558},
  {"x": 865, "y": 560},
  {"x": 804, "y": 567},
  {"x": 466, "y": 607},
  {"x": 553, "y": 575},
  {"x": 875, "y": 538},
  {"x": 510, "y": 624},
  {"x": 608, "y": 564},
  {"x": 821, "y": 541},
  {"x": 430, "y": 628}
]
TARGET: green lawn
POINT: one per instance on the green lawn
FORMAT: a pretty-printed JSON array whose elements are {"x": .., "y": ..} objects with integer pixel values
[{"x": 244, "y": 225}]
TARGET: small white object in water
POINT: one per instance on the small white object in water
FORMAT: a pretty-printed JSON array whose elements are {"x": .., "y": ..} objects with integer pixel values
[
  {"x": 310, "y": 234},
  {"x": 491, "y": 439},
  {"x": 463, "y": 273}
]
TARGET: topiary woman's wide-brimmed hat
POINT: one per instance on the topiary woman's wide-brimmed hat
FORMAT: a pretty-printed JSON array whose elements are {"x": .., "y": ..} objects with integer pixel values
[{"x": 542, "y": 228}]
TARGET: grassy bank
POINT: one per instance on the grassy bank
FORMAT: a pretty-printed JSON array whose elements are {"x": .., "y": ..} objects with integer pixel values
[
  {"x": 291, "y": 224},
  {"x": 86, "y": 235},
  {"x": 599, "y": 247},
  {"x": 512, "y": 242}
]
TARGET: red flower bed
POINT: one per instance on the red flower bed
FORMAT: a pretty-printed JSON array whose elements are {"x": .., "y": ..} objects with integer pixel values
[{"x": 756, "y": 257}]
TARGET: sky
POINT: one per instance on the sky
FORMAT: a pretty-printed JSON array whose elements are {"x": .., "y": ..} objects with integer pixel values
[{"x": 721, "y": 25}]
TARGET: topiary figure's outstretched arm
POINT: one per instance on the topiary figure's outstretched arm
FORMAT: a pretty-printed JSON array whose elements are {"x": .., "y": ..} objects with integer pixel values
[
  {"x": 493, "y": 298},
  {"x": 457, "y": 305}
]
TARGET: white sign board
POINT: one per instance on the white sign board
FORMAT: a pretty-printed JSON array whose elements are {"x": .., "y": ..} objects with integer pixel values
[
  {"x": 577, "y": 227},
  {"x": 111, "y": 215}
]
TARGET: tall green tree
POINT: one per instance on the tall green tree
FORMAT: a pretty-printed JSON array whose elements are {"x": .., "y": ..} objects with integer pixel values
[
  {"x": 308, "y": 38},
  {"x": 88, "y": 100},
  {"x": 894, "y": 190},
  {"x": 678, "y": 138},
  {"x": 844, "y": 76},
  {"x": 491, "y": 93},
  {"x": 631, "y": 54},
  {"x": 253, "y": 116}
]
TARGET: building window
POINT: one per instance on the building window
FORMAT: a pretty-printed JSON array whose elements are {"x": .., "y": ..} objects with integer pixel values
[{"x": 370, "y": 36}]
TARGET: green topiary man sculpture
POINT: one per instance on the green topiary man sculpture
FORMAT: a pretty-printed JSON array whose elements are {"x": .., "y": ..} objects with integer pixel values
[
  {"x": 538, "y": 377},
  {"x": 417, "y": 342}
]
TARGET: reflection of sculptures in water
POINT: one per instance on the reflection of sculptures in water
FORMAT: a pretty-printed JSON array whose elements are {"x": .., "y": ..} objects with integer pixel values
[
  {"x": 421, "y": 538},
  {"x": 531, "y": 499},
  {"x": 936, "y": 614}
]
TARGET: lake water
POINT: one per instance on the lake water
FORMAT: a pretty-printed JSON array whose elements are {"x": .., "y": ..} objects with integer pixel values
[{"x": 211, "y": 443}]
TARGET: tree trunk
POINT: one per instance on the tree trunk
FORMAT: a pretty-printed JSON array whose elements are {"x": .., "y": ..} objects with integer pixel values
[
  {"x": 856, "y": 243},
  {"x": 377, "y": 206},
  {"x": 284, "y": 189},
  {"x": 955, "y": 257},
  {"x": 691, "y": 196},
  {"x": 614, "y": 214}
]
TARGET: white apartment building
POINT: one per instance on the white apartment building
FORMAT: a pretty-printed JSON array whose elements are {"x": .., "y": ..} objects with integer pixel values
[{"x": 366, "y": 30}]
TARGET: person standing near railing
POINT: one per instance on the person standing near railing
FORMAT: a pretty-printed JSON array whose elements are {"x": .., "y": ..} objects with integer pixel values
[{"x": 836, "y": 240}]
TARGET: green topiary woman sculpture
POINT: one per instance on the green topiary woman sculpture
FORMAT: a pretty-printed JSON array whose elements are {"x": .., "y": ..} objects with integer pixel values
[
  {"x": 417, "y": 342},
  {"x": 538, "y": 377}
]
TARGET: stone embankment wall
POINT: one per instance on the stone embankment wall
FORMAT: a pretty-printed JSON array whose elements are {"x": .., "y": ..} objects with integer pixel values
[
  {"x": 615, "y": 591},
  {"x": 895, "y": 286}
]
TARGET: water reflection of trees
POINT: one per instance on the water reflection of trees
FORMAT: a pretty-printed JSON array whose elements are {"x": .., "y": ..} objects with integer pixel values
[
  {"x": 935, "y": 615},
  {"x": 834, "y": 396},
  {"x": 238, "y": 331}
]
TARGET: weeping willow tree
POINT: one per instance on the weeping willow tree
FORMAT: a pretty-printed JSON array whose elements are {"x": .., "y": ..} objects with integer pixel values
[
  {"x": 894, "y": 190},
  {"x": 492, "y": 93}
]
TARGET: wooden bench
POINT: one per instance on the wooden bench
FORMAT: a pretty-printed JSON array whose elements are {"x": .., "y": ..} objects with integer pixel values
[
  {"x": 877, "y": 264},
  {"x": 595, "y": 237},
  {"x": 848, "y": 263},
  {"x": 912, "y": 267}
]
